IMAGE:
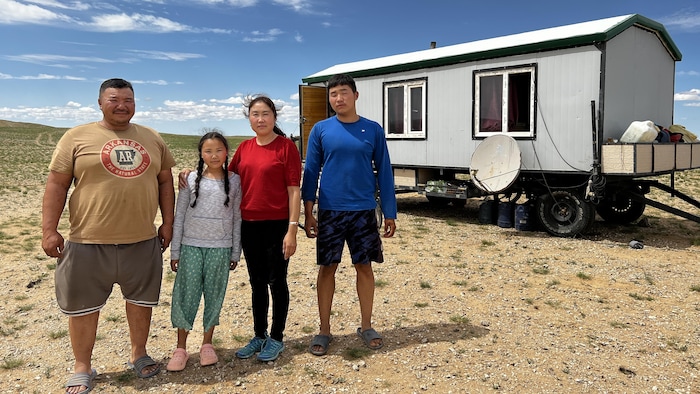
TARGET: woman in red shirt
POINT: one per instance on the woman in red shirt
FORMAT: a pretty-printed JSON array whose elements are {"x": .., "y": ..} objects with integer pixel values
[{"x": 270, "y": 169}]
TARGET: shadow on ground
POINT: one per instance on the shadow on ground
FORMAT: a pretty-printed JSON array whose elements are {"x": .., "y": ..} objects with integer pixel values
[{"x": 348, "y": 346}]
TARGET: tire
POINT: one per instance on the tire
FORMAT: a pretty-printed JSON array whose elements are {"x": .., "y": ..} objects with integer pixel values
[
  {"x": 621, "y": 207},
  {"x": 564, "y": 214}
]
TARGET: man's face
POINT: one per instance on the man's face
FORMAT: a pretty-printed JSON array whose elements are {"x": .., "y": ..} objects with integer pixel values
[
  {"x": 117, "y": 105},
  {"x": 342, "y": 99}
]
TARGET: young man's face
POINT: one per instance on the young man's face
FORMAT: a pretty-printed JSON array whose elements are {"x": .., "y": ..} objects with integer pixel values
[{"x": 342, "y": 99}]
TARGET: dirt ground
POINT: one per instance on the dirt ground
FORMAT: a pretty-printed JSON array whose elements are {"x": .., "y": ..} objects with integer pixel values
[{"x": 463, "y": 307}]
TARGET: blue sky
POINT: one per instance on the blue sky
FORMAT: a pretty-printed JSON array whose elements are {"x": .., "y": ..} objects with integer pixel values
[{"x": 193, "y": 61}]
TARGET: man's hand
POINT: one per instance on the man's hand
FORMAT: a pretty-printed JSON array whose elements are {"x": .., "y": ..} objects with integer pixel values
[
  {"x": 57, "y": 185},
  {"x": 389, "y": 228},
  {"x": 182, "y": 179},
  {"x": 310, "y": 225},
  {"x": 165, "y": 234},
  {"x": 53, "y": 244}
]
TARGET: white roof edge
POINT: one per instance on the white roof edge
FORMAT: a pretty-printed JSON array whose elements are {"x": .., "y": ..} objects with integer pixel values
[{"x": 513, "y": 40}]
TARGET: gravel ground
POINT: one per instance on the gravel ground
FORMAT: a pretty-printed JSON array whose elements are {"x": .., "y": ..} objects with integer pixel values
[{"x": 463, "y": 307}]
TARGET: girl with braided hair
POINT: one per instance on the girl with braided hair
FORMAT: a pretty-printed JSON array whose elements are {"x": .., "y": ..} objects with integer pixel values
[{"x": 206, "y": 246}]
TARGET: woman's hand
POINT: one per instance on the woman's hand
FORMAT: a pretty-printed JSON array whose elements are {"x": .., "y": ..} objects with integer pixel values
[{"x": 289, "y": 244}]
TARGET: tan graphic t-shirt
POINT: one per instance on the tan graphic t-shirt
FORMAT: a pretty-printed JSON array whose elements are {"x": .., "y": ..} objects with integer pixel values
[{"x": 115, "y": 199}]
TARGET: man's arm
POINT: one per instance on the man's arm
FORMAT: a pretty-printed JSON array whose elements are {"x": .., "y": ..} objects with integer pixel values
[
  {"x": 57, "y": 185},
  {"x": 166, "y": 200}
]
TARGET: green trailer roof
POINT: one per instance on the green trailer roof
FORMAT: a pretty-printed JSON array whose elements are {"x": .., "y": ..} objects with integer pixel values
[{"x": 580, "y": 34}]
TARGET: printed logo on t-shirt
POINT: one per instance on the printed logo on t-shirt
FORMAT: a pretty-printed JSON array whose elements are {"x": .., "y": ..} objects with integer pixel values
[{"x": 125, "y": 158}]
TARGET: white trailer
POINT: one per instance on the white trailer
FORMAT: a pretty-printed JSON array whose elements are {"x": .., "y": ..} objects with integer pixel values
[{"x": 563, "y": 96}]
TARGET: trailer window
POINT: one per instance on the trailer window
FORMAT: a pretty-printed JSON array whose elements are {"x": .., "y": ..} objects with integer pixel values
[
  {"x": 404, "y": 109},
  {"x": 504, "y": 102}
]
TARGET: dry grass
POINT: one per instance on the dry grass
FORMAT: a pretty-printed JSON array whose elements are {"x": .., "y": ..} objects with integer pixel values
[{"x": 464, "y": 307}]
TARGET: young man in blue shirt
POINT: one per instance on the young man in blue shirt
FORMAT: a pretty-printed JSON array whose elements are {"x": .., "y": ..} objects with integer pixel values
[{"x": 349, "y": 149}]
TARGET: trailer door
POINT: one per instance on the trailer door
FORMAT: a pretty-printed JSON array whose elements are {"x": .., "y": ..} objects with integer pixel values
[{"x": 313, "y": 106}]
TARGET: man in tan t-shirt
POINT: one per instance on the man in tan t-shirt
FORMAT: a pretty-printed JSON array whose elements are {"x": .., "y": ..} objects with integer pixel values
[{"x": 122, "y": 175}]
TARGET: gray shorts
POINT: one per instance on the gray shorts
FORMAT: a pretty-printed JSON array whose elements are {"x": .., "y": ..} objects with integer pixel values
[{"x": 86, "y": 274}]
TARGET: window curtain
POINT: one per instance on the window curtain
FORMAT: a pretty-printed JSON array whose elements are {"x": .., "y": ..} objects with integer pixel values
[{"x": 491, "y": 92}]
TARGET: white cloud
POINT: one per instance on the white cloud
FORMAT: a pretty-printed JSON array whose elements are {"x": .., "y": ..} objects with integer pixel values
[
  {"x": 234, "y": 3},
  {"x": 158, "y": 82},
  {"x": 178, "y": 111},
  {"x": 686, "y": 20},
  {"x": 136, "y": 22},
  {"x": 72, "y": 111},
  {"x": 46, "y": 59},
  {"x": 160, "y": 55},
  {"x": 296, "y": 5},
  {"x": 240, "y": 99},
  {"x": 76, "y": 5},
  {"x": 13, "y": 12},
  {"x": 259, "y": 36},
  {"x": 690, "y": 95},
  {"x": 689, "y": 73},
  {"x": 42, "y": 77}
]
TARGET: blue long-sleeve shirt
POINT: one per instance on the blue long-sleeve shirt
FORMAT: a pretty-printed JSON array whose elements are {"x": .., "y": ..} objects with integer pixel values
[{"x": 348, "y": 153}]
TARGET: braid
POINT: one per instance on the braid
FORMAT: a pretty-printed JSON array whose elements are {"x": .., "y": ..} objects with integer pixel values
[
  {"x": 200, "y": 169},
  {"x": 227, "y": 187}
]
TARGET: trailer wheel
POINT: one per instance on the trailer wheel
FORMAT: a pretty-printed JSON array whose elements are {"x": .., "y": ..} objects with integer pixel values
[
  {"x": 621, "y": 207},
  {"x": 564, "y": 214}
]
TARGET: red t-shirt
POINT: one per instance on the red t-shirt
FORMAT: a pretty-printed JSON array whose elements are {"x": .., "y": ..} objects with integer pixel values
[{"x": 266, "y": 172}]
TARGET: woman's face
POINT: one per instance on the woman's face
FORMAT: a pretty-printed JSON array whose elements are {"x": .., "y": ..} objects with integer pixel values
[{"x": 262, "y": 118}]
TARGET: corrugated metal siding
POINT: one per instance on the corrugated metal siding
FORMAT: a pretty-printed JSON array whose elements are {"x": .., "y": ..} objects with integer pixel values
[
  {"x": 567, "y": 82},
  {"x": 639, "y": 79}
]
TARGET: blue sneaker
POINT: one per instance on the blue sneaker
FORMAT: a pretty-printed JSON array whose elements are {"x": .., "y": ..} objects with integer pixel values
[
  {"x": 254, "y": 346},
  {"x": 271, "y": 350}
]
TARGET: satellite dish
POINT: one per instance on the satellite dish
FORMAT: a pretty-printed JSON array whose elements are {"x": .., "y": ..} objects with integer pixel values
[{"x": 495, "y": 163}]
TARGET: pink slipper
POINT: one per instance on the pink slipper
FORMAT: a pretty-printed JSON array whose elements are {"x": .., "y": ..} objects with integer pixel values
[
  {"x": 178, "y": 360},
  {"x": 207, "y": 355}
]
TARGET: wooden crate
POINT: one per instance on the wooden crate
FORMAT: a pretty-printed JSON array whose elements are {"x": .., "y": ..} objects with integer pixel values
[{"x": 649, "y": 158}]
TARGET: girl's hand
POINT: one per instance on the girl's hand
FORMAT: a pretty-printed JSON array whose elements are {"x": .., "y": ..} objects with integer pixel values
[
  {"x": 233, "y": 265},
  {"x": 173, "y": 265}
]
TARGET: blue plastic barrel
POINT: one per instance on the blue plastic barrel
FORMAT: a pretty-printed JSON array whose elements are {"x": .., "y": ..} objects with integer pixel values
[
  {"x": 523, "y": 217},
  {"x": 487, "y": 212},
  {"x": 505, "y": 214}
]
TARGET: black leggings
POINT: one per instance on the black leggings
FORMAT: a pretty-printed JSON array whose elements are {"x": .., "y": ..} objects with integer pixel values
[{"x": 267, "y": 267}]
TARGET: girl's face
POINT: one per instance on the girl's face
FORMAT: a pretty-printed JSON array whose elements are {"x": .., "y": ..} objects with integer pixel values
[
  {"x": 214, "y": 153},
  {"x": 262, "y": 119}
]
